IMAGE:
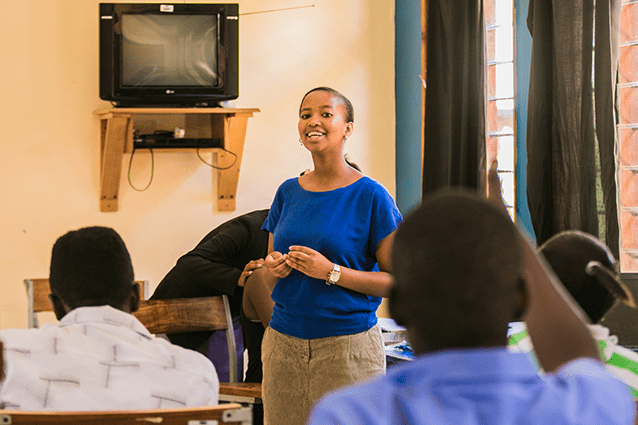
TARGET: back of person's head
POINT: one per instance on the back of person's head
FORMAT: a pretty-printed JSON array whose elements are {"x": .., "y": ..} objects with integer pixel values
[
  {"x": 588, "y": 269},
  {"x": 457, "y": 281},
  {"x": 91, "y": 267}
]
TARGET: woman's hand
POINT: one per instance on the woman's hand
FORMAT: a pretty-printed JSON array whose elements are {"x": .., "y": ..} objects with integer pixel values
[
  {"x": 275, "y": 263},
  {"x": 309, "y": 262},
  {"x": 248, "y": 270}
]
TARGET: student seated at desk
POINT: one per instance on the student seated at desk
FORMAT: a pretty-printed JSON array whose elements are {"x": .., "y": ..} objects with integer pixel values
[
  {"x": 462, "y": 272},
  {"x": 589, "y": 271},
  {"x": 221, "y": 264},
  {"x": 99, "y": 356}
]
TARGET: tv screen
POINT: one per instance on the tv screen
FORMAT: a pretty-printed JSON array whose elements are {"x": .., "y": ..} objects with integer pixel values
[{"x": 174, "y": 55}]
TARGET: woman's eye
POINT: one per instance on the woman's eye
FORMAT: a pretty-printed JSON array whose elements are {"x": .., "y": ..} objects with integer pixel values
[
  {"x": 304, "y": 116},
  {"x": 326, "y": 114}
]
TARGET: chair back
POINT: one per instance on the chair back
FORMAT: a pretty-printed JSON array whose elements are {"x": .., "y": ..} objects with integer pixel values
[
  {"x": 230, "y": 413},
  {"x": 180, "y": 315},
  {"x": 38, "y": 291}
]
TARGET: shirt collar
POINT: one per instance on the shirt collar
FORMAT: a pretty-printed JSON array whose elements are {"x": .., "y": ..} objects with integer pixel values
[
  {"x": 104, "y": 315},
  {"x": 467, "y": 364}
]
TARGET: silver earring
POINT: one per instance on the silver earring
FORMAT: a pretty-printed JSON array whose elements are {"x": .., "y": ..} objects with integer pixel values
[{"x": 300, "y": 141}]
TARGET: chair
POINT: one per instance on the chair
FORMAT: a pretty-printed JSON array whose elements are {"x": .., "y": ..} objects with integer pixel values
[
  {"x": 38, "y": 291},
  {"x": 191, "y": 315},
  {"x": 223, "y": 413},
  {"x": 201, "y": 314}
]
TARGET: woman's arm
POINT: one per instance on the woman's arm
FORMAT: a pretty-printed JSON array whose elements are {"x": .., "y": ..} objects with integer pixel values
[
  {"x": 275, "y": 265},
  {"x": 314, "y": 264}
]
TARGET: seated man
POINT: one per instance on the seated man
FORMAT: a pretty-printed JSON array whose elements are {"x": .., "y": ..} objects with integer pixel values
[
  {"x": 462, "y": 272},
  {"x": 220, "y": 264},
  {"x": 99, "y": 356},
  {"x": 588, "y": 270}
]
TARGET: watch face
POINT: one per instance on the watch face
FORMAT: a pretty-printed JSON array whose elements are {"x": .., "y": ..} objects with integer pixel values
[{"x": 334, "y": 276}]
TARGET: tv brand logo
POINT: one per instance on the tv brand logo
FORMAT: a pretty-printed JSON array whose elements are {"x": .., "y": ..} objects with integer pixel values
[{"x": 167, "y": 8}]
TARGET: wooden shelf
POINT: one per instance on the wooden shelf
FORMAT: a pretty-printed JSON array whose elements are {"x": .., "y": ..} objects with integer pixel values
[{"x": 116, "y": 139}]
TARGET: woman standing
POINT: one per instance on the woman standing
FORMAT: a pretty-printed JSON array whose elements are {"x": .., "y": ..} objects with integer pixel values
[{"x": 331, "y": 234}]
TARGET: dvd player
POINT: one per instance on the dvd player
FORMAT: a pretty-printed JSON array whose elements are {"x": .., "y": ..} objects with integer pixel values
[{"x": 150, "y": 142}]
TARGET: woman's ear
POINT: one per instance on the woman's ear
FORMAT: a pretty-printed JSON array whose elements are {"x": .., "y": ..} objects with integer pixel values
[{"x": 349, "y": 129}]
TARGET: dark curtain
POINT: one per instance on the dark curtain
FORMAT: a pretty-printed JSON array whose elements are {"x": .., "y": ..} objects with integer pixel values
[
  {"x": 454, "y": 122},
  {"x": 606, "y": 58},
  {"x": 561, "y": 177}
]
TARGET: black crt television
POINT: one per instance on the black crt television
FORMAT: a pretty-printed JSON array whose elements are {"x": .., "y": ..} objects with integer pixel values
[{"x": 171, "y": 55}]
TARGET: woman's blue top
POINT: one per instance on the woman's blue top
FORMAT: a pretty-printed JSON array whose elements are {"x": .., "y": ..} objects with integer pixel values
[{"x": 345, "y": 225}]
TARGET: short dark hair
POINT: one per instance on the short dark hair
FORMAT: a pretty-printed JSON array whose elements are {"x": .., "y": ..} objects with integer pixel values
[
  {"x": 91, "y": 267},
  {"x": 569, "y": 253},
  {"x": 456, "y": 264},
  {"x": 346, "y": 102}
]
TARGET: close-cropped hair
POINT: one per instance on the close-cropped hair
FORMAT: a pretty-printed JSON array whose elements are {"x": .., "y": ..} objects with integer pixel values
[
  {"x": 344, "y": 100},
  {"x": 456, "y": 264},
  {"x": 573, "y": 255},
  {"x": 91, "y": 266}
]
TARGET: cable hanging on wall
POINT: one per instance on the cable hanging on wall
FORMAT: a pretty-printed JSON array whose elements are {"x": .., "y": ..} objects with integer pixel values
[
  {"x": 215, "y": 166},
  {"x": 130, "y": 162}
]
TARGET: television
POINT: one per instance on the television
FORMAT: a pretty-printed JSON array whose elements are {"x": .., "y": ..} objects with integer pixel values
[{"x": 169, "y": 55}]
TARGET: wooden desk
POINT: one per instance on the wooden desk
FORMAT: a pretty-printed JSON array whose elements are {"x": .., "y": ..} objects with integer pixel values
[
  {"x": 116, "y": 139},
  {"x": 246, "y": 393},
  {"x": 240, "y": 391}
]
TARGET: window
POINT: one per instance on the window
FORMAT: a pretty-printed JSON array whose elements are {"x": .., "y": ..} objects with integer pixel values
[
  {"x": 627, "y": 161},
  {"x": 501, "y": 117}
]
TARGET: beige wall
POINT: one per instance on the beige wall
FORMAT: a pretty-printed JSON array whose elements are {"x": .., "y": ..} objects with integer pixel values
[{"x": 49, "y": 165}]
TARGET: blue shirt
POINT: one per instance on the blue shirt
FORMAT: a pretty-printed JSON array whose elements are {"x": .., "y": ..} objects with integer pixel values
[
  {"x": 345, "y": 225},
  {"x": 481, "y": 386}
]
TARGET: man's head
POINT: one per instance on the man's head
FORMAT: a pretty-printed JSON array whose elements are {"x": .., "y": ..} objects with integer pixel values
[
  {"x": 457, "y": 281},
  {"x": 91, "y": 267},
  {"x": 588, "y": 269}
]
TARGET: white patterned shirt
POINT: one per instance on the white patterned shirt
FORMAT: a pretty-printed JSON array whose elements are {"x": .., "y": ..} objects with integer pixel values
[{"x": 101, "y": 358}]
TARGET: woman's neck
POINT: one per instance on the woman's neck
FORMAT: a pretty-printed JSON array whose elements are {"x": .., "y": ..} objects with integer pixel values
[{"x": 329, "y": 175}]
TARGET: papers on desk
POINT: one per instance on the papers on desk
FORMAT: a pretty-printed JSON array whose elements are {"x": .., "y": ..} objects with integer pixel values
[
  {"x": 392, "y": 333},
  {"x": 397, "y": 350}
]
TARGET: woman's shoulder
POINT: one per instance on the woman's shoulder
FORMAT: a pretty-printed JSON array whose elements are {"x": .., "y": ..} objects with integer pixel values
[
  {"x": 372, "y": 186},
  {"x": 288, "y": 185}
]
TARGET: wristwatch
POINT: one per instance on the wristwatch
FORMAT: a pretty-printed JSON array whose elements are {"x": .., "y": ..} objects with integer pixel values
[{"x": 334, "y": 275}]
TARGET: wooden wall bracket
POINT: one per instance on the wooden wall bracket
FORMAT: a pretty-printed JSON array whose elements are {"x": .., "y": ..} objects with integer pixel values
[{"x": 116, "y": 139}]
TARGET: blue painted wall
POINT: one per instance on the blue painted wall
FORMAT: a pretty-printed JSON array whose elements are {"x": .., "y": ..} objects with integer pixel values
[
  {"x": 407, "y": 24},
  {"x": 523, "y": 62}
]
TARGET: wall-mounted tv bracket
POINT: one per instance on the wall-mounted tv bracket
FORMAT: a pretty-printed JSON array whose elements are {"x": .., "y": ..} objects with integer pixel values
[{"x": 116, "y": 139}]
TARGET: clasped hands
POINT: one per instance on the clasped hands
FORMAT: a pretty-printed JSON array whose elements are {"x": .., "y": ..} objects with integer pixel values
[{"x": 306, "y": 260}]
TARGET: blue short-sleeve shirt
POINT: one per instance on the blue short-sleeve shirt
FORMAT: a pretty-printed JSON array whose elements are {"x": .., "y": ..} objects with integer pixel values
[
  {"x": 481, "y": 386},
  {"x": 345, "y": 225}
]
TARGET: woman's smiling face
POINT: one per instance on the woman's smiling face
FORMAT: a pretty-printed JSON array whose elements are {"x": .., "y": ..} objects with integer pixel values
[{"x": 322, "y": 121}]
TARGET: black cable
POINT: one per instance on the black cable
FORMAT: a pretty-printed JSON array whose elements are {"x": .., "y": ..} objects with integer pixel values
[
  {"x": 152, "y": 169},
  {"x": 214, "y": 166}
]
